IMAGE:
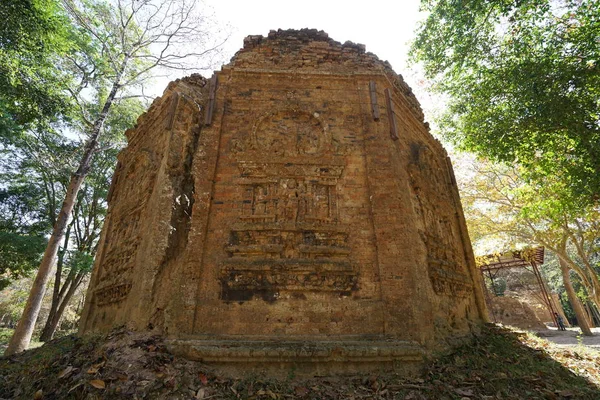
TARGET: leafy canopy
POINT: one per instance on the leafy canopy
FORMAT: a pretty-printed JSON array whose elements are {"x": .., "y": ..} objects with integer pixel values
[
  {"x": 523, "y": 82},
  {"x": 34, "y": 35},
  {"x": 505, "y": 212}
]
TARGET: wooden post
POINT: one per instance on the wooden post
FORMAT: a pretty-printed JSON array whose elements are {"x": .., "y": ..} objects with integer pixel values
[{"x": 545, "y": 297}]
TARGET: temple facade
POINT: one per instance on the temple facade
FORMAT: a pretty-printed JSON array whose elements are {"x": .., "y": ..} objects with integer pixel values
[{"x": 291, "y": 211}]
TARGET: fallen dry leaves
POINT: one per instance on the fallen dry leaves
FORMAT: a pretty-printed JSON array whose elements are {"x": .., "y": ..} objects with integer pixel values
[
  {"x": 497, "y": 364},
  {"x": 98, "y": 383}
]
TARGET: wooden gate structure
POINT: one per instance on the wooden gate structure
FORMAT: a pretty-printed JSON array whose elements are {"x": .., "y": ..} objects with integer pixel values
[{"x": 529, "y": 259}]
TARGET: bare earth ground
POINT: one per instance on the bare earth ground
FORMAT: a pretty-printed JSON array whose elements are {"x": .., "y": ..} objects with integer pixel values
[
  {"x": 571, "y": 337},
  {"x": 497, "y": 363}
]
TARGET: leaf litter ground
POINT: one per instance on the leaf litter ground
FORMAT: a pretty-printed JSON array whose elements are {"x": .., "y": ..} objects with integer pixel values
[{"x": 496, "y": 364}]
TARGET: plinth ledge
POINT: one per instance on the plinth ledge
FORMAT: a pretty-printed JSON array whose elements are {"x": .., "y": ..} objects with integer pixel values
[{"x": 302, "y": 357}]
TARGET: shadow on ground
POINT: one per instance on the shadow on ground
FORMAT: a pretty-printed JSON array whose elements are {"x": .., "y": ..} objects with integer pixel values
[{"x": 495, "y": 365}]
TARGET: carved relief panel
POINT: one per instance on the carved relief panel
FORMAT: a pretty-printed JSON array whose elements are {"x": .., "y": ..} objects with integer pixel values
[
  {"x": 290, "y": 193},
  {"x": 288, "y": 236},
  {"x": 289, "y": 132},
  {"x": 133, "y": 187},
  {"x": 434, "y": 204}
]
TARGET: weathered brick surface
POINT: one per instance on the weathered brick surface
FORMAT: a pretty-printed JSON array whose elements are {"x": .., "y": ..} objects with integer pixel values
[{"x": 309, "y": 206}]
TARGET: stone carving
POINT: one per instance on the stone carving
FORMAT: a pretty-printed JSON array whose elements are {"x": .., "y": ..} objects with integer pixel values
[
  {"x": 447, "y": 270},
  {"x": 283, "y": 204},
  {"x": 287, "y": 244},
  {"x": 112, "y": 294},
  {"x": 289, "y": 193},
  {"x": 289, "y": 133},
  {"x": 240, "y": 285},
  {"x": 266, "y": 258},
  {"x": 274, "y": 209},
  {"x": 135, "y": 182},
  {"x": 327, "y": 173},
  {"x": 292, "y": 260},
  {"x": 289, "y": 200}
]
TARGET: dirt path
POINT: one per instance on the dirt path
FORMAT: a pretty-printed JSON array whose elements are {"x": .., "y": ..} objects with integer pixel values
[{"x": 571, "y": 337}]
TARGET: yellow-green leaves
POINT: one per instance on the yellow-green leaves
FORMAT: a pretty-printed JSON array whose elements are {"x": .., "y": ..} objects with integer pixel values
[{"x": 523, "y": 84}]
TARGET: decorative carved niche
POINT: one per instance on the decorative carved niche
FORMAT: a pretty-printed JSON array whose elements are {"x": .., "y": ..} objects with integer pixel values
[{"x": 289, "y": 193}]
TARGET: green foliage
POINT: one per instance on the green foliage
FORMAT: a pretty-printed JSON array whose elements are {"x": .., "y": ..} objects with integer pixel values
[
  {"x": 523, "y": 82},
  {"x": 34, "y": 35},
  {"x": 12, "y": 301},
  {"x": 35, "y": 170},
  {"x": 505, "y": 212},
  {"x": 35, "y": 175},
  {"x": 23, "y": 222},
  {"x": 5, "y": 334},
  {"x": 35, "y": 38},
  {"x": 19, "y": 254},
  {"x": 104, "y": 52},
  {"x": 81, "y": 261}
]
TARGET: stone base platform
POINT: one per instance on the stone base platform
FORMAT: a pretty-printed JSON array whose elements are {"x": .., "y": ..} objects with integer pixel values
[{"x": 302, "y": 357}]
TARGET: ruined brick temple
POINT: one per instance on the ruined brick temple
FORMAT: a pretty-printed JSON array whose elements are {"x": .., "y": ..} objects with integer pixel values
[{"x": 293, "y": 211}]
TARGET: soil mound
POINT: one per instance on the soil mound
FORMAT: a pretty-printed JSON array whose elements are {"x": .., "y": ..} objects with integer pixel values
[{"x": 127, "y": 365}]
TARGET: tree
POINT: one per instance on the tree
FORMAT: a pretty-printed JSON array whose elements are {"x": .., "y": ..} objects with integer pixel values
[
  {"x": 19, "y": 254},
  {"x": 25, "y": 214},
  {"x": 502, "y": 208},
  {"x": 76, "y": 255},
  {"x": 122, "y": 41},
  {"x": 34, "y": 35},
  {"x": 582, "y": 319},
  {"x": 36, "y": 175},
  {"x": 522, "y": 81}
]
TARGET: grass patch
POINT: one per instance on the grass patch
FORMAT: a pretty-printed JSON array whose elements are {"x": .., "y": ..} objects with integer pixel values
[{"x": 5, "y": 335}]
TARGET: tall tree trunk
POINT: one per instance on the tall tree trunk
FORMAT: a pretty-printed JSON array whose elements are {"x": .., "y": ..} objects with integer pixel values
[
  {"x": 588, "y": 312},
  {"x": 589, "y": 278},
  {"x": 575, "y": 303},
  {"x": 595, "y": 314},
  {"x": 45, "y": 336},
  {"x": 24, "y": 330}
]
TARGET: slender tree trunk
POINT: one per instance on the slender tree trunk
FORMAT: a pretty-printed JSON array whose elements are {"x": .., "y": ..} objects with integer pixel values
[
  {"x": 54, "y": 315},
  {"x": 45, "y": 336},
  {"x": 588, "y": 312},
  {"x": 52, "y": 324},
  {"x": 589, "y": 278},
  {"x": 575, "y": 303},
  {"x": 595, "y": 315},
  {"x": 24, "y": 330}
]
